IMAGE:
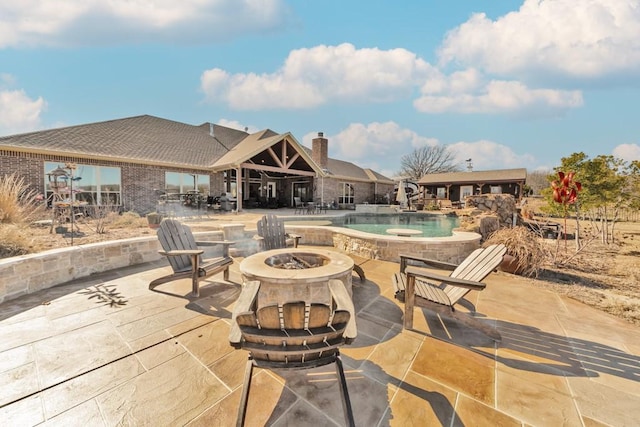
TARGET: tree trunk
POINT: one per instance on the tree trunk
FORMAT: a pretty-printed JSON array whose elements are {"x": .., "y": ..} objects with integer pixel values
[{"x": 577, "y": 233}]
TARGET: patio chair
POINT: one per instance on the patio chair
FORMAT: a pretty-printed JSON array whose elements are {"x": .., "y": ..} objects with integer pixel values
[
  {"x": 417, "y": 286},
  {"x": 300, "y": 206},
  {"x": 271, "y": 234},
  {"x": 294, "y": 335},
  {"x": 185, "y": 256}
]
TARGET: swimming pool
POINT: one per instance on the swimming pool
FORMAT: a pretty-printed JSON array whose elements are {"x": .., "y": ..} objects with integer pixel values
[{"x": 429, "y": 225}]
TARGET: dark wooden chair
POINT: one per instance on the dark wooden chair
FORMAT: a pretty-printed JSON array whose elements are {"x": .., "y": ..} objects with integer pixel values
[
  {"x": 299, "y": 205},
  {"x": 272, "y": 235},
  {"x": 294, "y": 335},
  {"x": 185, "y": 255},
  {"x": 417, "y": 286}
]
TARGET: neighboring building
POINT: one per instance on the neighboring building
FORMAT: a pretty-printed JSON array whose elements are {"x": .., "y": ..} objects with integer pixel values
[
  {"x": 131, "y": 162},
  {"x": 455, "y": 186}
]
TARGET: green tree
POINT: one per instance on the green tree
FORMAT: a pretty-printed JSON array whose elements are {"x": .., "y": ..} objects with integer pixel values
[{"x": 607, "y": 187}]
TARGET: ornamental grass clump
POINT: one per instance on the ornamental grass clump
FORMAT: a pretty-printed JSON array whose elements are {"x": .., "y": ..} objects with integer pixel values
[
  {"x": 18, "y": 203},
  {"x": 529, "y": 254}
]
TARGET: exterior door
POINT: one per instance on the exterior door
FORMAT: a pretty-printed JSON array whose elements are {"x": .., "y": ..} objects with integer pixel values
[
  {"x": 271, "y": 189},
  {"x": 302, "y": 190},
  {"x": 465, "y": 190}
]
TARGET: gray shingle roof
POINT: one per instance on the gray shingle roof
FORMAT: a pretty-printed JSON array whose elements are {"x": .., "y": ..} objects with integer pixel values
[
  {"x": 375, "y": 176},
  {"x": 140, "y": 139},
  {"x": 153, "y": 140},
  {"x": 348, "y": 170},
  {"x": 474, "y": 177}
]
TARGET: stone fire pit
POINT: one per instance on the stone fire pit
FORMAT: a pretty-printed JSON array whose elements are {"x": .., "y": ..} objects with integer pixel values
[
  {"x": 296, "y": 261},
  {"x": 296, "y": 274}
]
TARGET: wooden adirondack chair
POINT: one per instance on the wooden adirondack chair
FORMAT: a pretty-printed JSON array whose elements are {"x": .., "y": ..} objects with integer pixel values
[
  {"x": 272, "y": 235},
  {"x": 416, "y": 286},
  {"x": 294, "y": 335},
  {"x": 185, "y": 256}
]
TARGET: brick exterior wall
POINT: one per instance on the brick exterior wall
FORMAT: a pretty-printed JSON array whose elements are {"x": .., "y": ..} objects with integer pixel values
[
  {"x": 28, "y": 166},
  {"x": 138, "y": 181},
  {"x": 320, "y": 150},
  {"x": 363, "y": 191}
]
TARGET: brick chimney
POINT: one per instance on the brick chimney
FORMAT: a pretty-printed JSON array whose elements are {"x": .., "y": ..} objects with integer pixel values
[{"x": 320, "y": 150}]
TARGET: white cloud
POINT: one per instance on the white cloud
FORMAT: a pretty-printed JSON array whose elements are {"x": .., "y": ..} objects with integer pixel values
[
  {"x": 575, "y": 38},
  {"x": 319, "y": 75},
  {"x": 488, "y": 155},
  {"x": 378, "y": 146},
  {"x": 63, "y": 22},
  {"x": 19, "y": 113},
  {"x": 628, "y": 152},
  {"x": 361, "y": 141},
  {"x": 329, "y": 74},
  {"x": 466, "y": 92},
  {"x": 234, "y": 124},
  {"x": 7, "y": 79}
]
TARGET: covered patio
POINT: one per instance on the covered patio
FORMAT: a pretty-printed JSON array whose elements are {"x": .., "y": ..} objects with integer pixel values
[{"x": 107, "y": 351}]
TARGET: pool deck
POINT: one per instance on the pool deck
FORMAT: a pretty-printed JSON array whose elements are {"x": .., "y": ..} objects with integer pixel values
[{"x": 107, "y": 351}]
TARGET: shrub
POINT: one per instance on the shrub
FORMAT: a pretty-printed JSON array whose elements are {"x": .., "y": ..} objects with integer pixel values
[{"x": 525, "y": 246}]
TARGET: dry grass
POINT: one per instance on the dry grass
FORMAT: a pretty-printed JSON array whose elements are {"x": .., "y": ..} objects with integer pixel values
[
  {"x": 17, "y": 240},
  {"x": 18, "y": 203},
  {"x": 127, "y": 220},
  {"x": 525, "y": 246}
]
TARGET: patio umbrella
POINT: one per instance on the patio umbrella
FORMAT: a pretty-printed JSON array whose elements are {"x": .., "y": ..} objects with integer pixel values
[{"x": 401, "y": 196}]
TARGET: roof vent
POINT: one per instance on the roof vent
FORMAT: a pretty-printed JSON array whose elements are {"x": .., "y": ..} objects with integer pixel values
[{"x": 211, "y": 132}]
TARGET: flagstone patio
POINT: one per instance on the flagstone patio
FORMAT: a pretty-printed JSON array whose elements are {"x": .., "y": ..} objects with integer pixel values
[{"x": 107, "y": 351}]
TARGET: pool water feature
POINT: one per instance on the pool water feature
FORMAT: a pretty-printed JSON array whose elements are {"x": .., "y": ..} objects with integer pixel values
[{"x": 429, "y": 225}]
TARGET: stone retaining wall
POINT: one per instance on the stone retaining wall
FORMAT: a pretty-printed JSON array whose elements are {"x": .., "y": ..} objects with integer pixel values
[{"x": 29, "y": 273}]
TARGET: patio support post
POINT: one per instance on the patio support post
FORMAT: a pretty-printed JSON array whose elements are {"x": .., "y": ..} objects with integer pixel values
[{"x": 239, "y": 191}]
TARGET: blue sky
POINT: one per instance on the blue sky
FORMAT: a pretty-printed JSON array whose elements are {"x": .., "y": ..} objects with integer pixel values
[{"x": 506, "y": 83}]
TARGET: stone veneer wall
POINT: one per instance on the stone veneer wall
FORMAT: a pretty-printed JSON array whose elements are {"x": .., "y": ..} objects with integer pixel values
[
  {"x": 388, "y": 248},
  {"x": 29, "y": 273},
  {"x": 501, "y": 205}
]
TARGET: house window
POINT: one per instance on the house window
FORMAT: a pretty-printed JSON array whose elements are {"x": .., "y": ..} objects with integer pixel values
[
  {"x": 441, "y": 192},
  {"x": 95, "y": 185},
  {"x": 496, "y": 189},
  {"x": 176, "y": 182},
  {"x": 348, "y": 194}
]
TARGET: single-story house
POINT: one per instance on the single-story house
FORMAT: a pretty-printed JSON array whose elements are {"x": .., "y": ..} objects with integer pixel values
[
  {"x": 133, "y": 162},
  {"x": 455, "y": 186}
]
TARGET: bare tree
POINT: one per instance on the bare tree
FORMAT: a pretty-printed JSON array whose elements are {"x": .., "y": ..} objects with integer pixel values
[{"x": 428, "y": 159}]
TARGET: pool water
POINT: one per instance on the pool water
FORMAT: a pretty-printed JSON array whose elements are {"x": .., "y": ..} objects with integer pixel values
[{"x": 429, "y": 225}]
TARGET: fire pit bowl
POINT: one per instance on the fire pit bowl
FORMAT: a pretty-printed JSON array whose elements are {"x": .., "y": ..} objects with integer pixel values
[
  {"x": 296, "y": 274},
  {"x": 297, "y": 261}
]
